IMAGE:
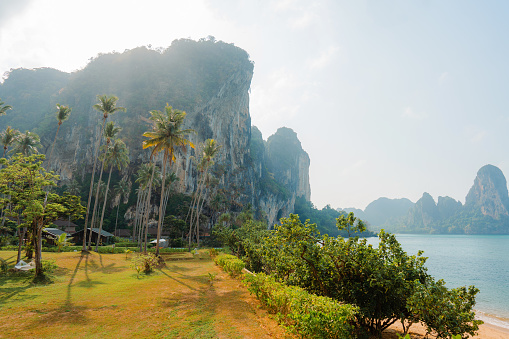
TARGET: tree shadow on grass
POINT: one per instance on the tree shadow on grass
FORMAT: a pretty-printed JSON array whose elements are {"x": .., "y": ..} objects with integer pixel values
[{"x": 177, "y": 280}]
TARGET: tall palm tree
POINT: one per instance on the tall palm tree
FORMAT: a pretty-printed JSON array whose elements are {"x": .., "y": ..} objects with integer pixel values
[
  {"x": 107, "y": 105},
  {"x": 116, "y": 155},
  {"x": 4, "y": 108},
  {"x": 209, "y": 151},
  {"x": 26, "y": 143},
  {"x": 110, "y": 131},
  {"x": 62, "y": 115},
  {"x": 148, "y": 176},
  {"x": 122, "y": 190},
  {"x": 8, "y": 137},
  {"x": 167, "y": 136}
]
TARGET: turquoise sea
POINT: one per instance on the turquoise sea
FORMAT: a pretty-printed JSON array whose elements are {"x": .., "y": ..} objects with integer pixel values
[{"x": 463, "y": 260}]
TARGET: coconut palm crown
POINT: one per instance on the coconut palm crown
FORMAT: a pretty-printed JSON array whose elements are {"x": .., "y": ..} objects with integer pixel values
[
  {"x": 4, "y": 108},
  {"x": 26, "y": 143},
  {"x": 8, "y": 137}
]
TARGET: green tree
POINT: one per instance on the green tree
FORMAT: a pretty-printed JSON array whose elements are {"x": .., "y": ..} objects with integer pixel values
[
  {"x": 8, "y": 137},
  {"x": 25, "y": 182},
  {"x": 26, "y": 144},
  {"x": 4, "y": 108},
  {"x": 62, "y": 114},
  {"x": 107, "y": 105},
  {"x": 167, "y": 136},
  {"x": 117, "y": 155}
]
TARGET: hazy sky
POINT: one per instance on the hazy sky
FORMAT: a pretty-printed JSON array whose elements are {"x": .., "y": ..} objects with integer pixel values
[{"x": 389, "y": 98}]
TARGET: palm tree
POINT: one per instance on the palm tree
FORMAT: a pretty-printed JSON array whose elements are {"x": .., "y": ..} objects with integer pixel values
[
  {"x": 167, "y": 136},
  {"x": 106, "y": 105},
  {"x": 110, "y": 131},
  {"x": 115, "y": 156},
  {"x": 26, "y": 143},
  {"x": 122, "y": 190},
  {"x": 210, "y": 150},
  {"x": 62, "y": 115},
  {"x": 8, "y": 137},
  {"x": 4, "y": 108},
  {"x": 146, "y": 176}
]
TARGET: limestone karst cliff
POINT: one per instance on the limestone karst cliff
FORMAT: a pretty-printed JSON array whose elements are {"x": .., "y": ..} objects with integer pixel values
[{"x": 210, "y": 80}]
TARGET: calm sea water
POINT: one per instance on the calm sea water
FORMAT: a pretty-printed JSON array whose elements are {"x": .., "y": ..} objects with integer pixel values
[{"x": 463, "y": 260}]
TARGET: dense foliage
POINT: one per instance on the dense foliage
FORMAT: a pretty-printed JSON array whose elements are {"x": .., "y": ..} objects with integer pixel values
[{"x": 385, "y": 284}]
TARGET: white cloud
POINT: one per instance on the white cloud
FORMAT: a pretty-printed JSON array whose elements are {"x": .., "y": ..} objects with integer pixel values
[
  {"x": 325, "y": 58},
  {"x": 410, "y": 113},
  {"x": 443, "y": 78}
]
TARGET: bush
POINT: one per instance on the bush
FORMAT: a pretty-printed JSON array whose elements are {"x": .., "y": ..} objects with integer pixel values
[
  {"x": 306, "y": 314},
  {"x": 145, "y": 263},
  {"x": 3, "y": 266},
  {"x": 126, "y": 244},
  {"x": 230, "y": 263},
  {"x": 446, "y": 312}
]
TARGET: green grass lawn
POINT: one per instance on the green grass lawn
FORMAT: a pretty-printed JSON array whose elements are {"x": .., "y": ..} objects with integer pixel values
[{"x": 99, "y": 295}]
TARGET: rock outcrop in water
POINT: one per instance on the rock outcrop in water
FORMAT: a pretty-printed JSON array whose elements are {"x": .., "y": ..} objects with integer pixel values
[
  {"x": 489, "y": 193},
  {"x": 486, "y": 210},
  {"x": 209, "y": 80}
]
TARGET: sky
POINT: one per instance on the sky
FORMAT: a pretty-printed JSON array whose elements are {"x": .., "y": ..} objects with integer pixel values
[{"x": 389, "y": 98}]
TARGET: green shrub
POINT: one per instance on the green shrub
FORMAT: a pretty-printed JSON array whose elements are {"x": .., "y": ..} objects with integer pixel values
[
  {"x": 48, "y": 266},
  {"x": 126, "y": 244},
  {"x": 230, "y": 263},
  {"x": 213, "y": 252},
  {"x": 306, "y": 314},
  {"x": 3, "y": 266},
  {"x": 145, "y": 263}
]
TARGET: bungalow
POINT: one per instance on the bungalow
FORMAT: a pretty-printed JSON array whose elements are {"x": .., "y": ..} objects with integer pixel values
[
  {"x": 104, "y": 239},
  {"x": 66, "y": 225},
  {"x": 51, "y": 235}
]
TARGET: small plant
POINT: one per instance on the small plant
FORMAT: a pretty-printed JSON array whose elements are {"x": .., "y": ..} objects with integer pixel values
[
  {"x": 213, "y": 252},
  {"x": 4, "y": 267},
  {"x": 144, "y": 263},
  {"x": 126, "y": 251},
  {"x": 48, "y": 266},
  {"x": 212, "y": 277}
]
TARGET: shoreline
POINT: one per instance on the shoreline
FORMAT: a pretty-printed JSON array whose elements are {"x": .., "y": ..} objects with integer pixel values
[
  {"x": 492, "y": 320},
  {"x": 418, "y": 331}
]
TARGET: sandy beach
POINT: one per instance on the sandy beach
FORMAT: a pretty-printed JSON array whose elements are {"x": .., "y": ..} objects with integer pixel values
[{"x": 417, "y": 331}]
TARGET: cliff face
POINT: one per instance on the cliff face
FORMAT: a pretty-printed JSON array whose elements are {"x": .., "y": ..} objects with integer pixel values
[
  {"x": 209, "y": 80},
  {"x": 489, "y": 193}
]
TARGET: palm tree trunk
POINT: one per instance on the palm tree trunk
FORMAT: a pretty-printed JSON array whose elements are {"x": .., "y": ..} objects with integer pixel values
[
  {"x": 116, "y": 219},
  {"x": 147, "y": 211},
  {"x": 198, "y": 222},
  {"x": 135, "y": 228},
  {"x": 98, "y": 144},
  {"x": 104, "y": 208},
  {"x": 193, "y": 206},
  {"x": 161, "y": 216},
  {"x": 53, "y": 146},
  {"x": 95, "y": 204}
]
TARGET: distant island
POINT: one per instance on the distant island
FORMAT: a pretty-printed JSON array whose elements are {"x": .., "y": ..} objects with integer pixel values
[{"x": 486, "y": 210}]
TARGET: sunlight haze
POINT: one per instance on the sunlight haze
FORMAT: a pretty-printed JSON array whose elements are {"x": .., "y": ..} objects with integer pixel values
[{"x": 389, "y": 99}]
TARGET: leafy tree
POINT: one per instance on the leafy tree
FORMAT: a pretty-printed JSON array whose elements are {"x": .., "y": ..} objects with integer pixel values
[
  {"x": 24, "y": 181},
  {"x": 381, "y": 281},
  {"x": 8, "y": 137},
  {"x": 107, "y": 105},
  {"x": 167, "y": 136}
]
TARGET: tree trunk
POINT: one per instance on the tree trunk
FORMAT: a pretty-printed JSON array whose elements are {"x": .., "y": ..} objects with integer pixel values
[
  {"x": 38, "y": 250},
  {"x": 53, "y": 146},
  {"x": 104, "y": 207},
  {"x": 95, "y": 204},
  {"x": 98, "y": 144},
  {"x": 21, "y": 238},
  {"x": 161, "y": 214},
  {"x": 116, "y": 219},
  {"x": 147, "y": 210}
]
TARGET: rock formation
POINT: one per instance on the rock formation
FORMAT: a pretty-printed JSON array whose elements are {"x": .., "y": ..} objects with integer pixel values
[
  {"x": 489, "y": 193},
  {"x": 209, "y": 80}
]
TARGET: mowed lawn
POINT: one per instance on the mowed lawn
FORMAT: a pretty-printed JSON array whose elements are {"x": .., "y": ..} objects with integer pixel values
[{"x": 100, "y": 296}]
